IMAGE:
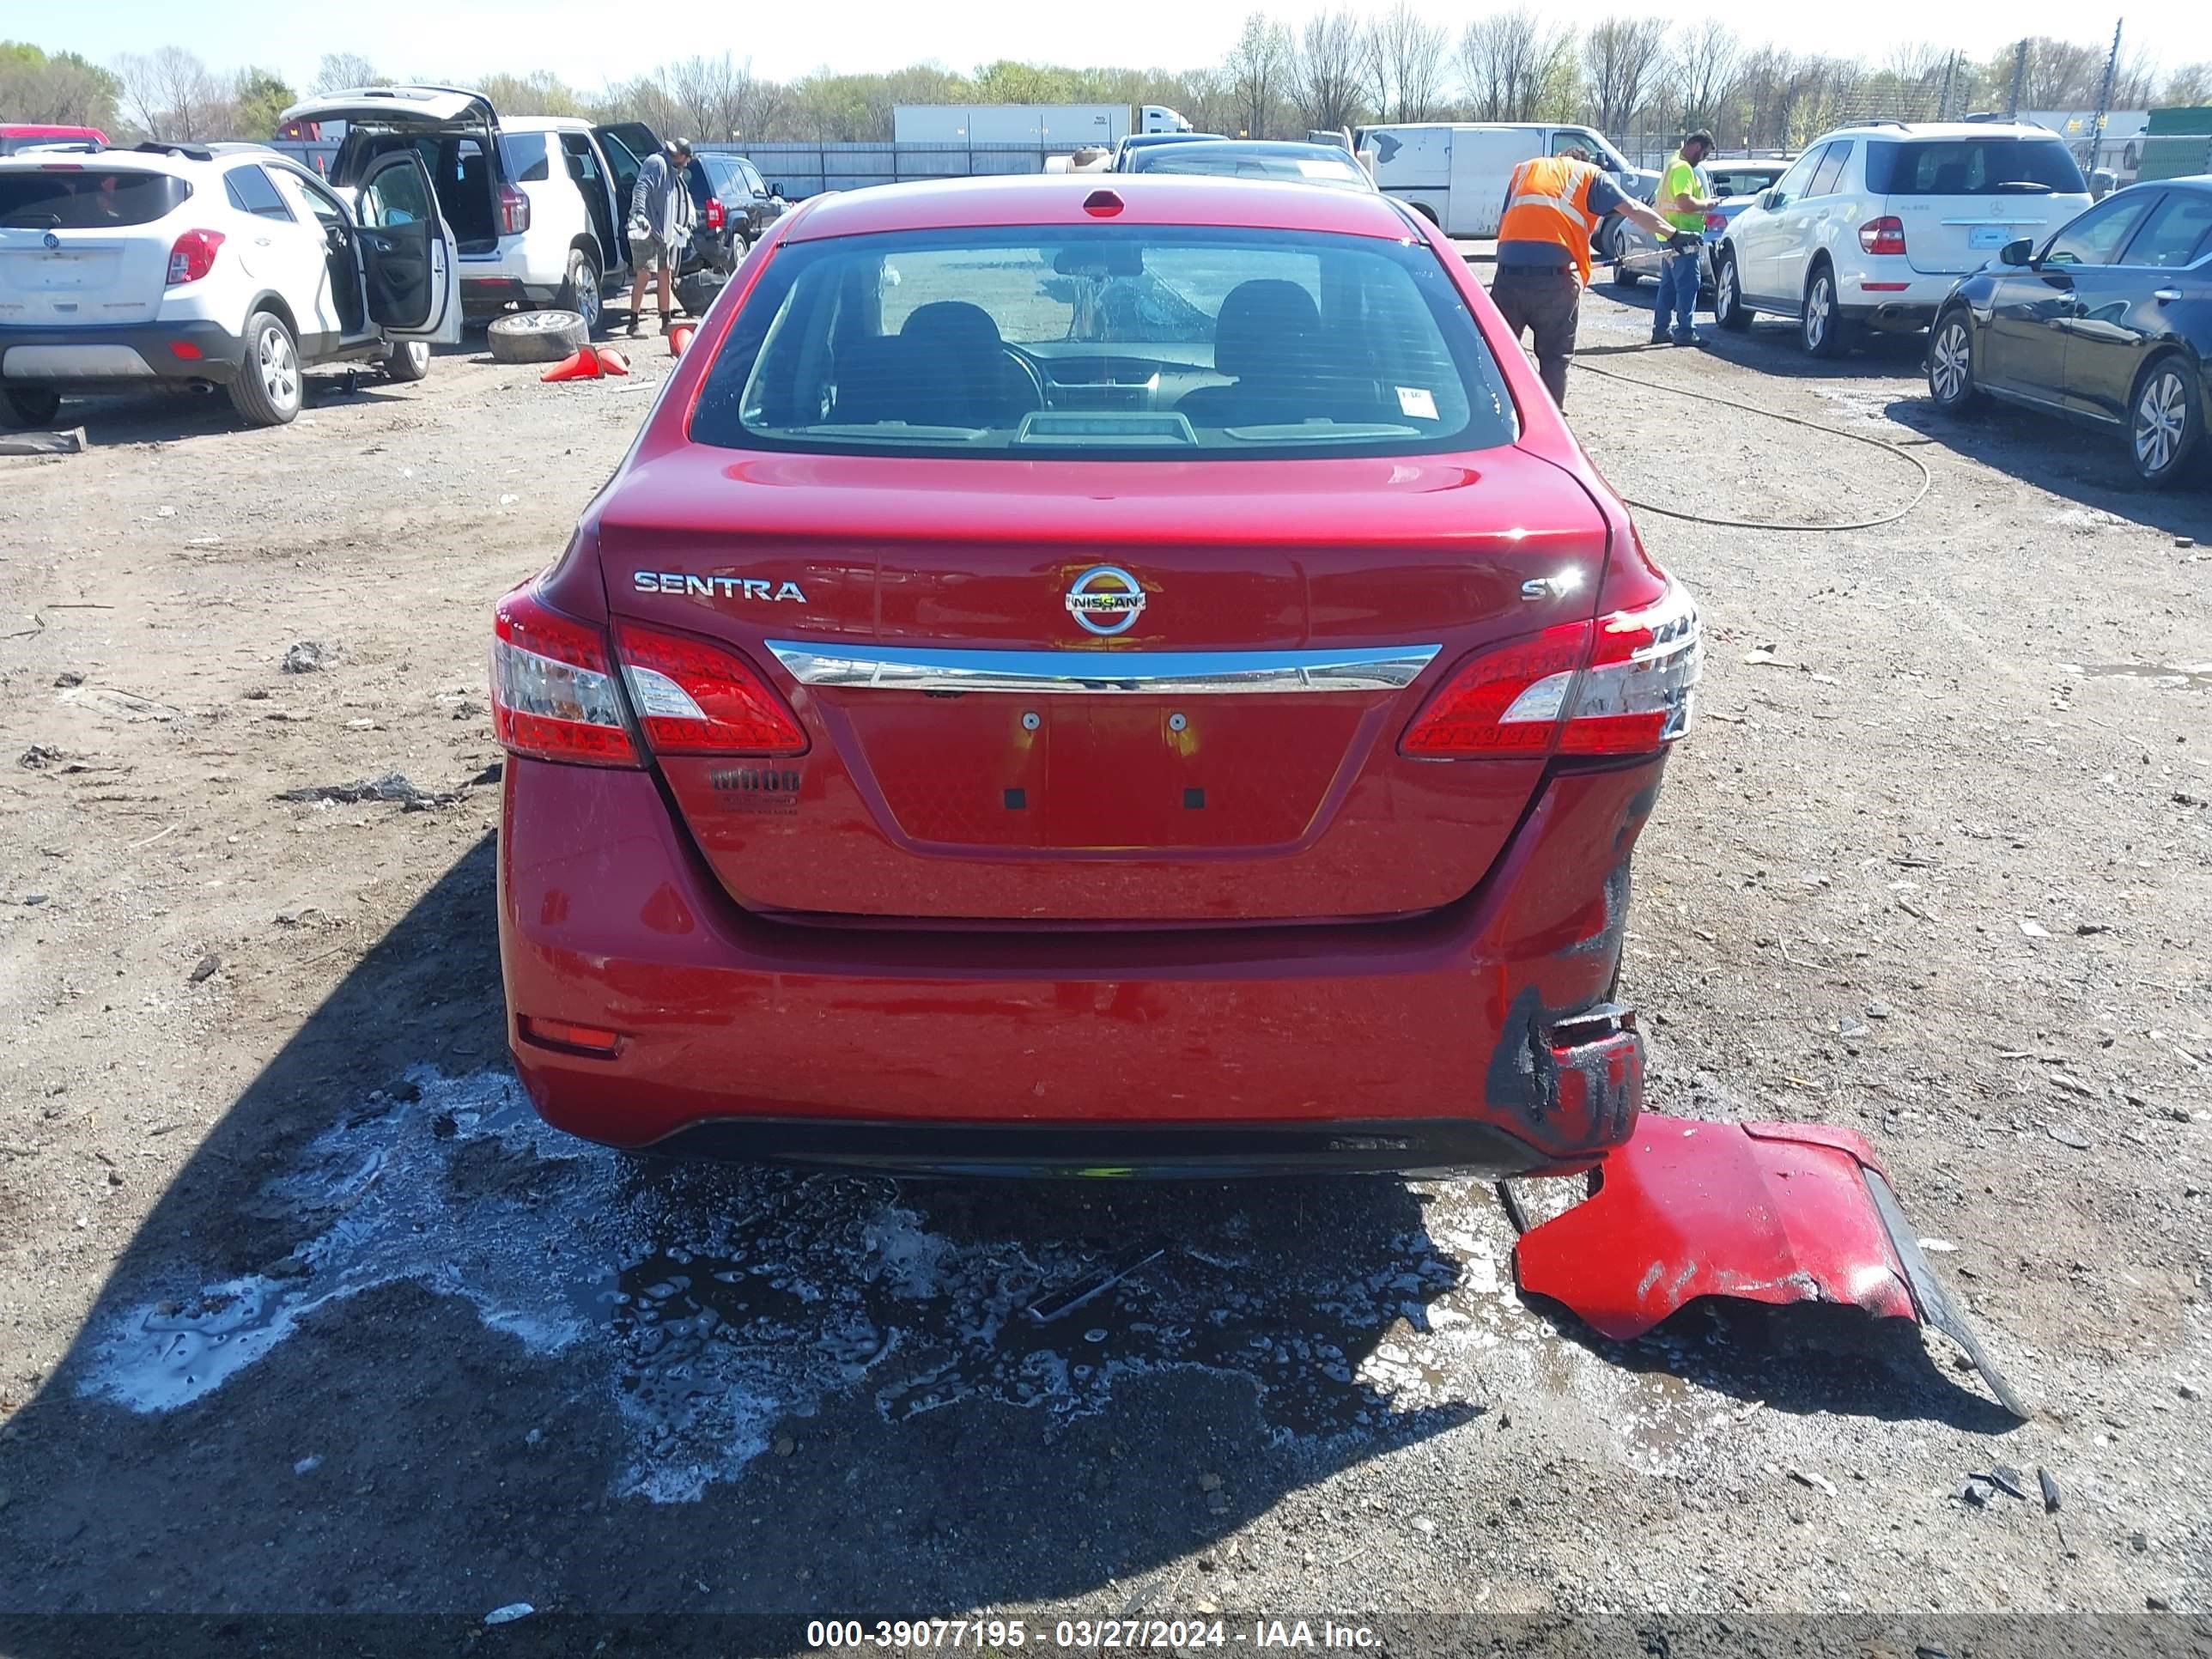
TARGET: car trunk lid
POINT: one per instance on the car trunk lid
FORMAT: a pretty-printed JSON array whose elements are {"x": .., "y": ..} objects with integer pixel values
[
  {"x": 1001, "y": 729},
  {"x": 84, "y": 244}
]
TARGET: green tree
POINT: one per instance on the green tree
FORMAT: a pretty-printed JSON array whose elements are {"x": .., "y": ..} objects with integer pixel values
[
  {"x": 59, "y": 88},
  {"x": 260, "y": 98}
]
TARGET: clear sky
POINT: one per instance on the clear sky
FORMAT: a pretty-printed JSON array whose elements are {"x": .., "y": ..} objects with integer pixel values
[{"x": 589, "y": 44}]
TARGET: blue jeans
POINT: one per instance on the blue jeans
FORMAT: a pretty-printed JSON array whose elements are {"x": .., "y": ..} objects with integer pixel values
[{"x": 1678, "y": 294}]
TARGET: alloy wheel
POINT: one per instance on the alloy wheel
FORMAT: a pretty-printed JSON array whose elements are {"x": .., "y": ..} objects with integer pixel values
[
  {"x": 589, "y": 303},
  {"x": 279, "y": 366},
  {"x": 1950, "y": 371},
  {"x": 1817, "y": 306},
  {"x": 1724, "y": 294},
  {"x": 2161, "y": 419}
]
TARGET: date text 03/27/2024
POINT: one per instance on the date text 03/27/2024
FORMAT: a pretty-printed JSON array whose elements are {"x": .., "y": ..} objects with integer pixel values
[{"x": 1085, "y": 1635}]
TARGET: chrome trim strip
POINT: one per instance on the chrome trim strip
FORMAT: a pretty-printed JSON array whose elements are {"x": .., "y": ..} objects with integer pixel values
[{"x": 1098, "y": 673}]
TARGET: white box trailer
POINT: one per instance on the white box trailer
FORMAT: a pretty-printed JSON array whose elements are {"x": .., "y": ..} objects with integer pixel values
[
  {"x": 1045, "y": 127},
  {"x": 1455, "y": 173}
]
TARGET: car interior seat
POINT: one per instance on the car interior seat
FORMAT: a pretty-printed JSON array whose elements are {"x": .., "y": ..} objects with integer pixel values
[
  {"x": 1268, "y": 341},
  {"x": 882, "y": 378},
  {"x": 989, "y": 388}
]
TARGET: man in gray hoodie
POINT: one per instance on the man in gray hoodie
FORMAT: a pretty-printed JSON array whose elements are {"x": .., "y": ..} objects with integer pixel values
[{"x": 661, "y": 219}]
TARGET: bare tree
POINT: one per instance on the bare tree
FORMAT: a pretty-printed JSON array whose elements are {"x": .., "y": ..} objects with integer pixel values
[
  {"x": 339, "y": 71},
  {"x": 1620, "y": 56},
  {"x": 173, "y": 95},
  {"x": 715, "y": 94},
  {"x": 2190, "y": 84},
  {"x": 1507, "y": 59},
  {"x": 1703, "y": 73},
  {"x": 1327, "y": 74},
  {"x": 1259, "y": 70},
  {"x": 1405, "y": 56},
  {"x": 1915, "y": 61},
  {"x": 2061, "y": 74}
]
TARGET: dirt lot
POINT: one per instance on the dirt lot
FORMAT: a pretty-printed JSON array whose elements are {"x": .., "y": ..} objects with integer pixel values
[{"x": 301, "y": 1313}]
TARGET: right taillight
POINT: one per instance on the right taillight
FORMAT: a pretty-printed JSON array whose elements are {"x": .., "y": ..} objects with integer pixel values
[
  {"x": 192, "y": 256},
  {"x": 553, "y": 693},
  {"x": 1620, "y": 685},
  {"x": 513, "y": 211},
  {"x": 1883, "y": 235}
]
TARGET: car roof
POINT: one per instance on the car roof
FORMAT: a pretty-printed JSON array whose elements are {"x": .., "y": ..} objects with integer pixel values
[
  {"x": 1938, "y": 130},
  {"x": 178, "y": 160},
  {"x": 544, "y": 124},
  {"x": 1047, "y": 200}
]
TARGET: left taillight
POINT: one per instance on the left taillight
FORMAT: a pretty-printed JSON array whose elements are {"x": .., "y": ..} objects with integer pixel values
[
  {"x": 695, "y": 698},
  {"x": 1882, "y": 235},
  {"x": 1620, "y": 685},
  {"x": 553, "y": 692},
  {"x": 715, "y": 216},
  {"x": 192, "y": 256}
]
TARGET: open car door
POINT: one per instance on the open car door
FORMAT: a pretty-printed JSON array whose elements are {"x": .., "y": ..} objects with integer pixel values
[
  {"x": 625, "y": 144},
  {"x": 407, "y": 268}
]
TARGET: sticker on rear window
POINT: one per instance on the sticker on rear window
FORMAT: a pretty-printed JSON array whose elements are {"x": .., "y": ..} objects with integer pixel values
[{"x": 1416, "y": 401}]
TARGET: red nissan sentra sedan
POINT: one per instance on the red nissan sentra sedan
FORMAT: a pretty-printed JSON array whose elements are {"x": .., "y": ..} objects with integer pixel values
[{"x": 1091, "y": 680}]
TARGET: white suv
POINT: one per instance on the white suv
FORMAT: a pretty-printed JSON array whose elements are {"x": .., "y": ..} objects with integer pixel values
[
  {"x": 217, "y": 265},
  {"x": 539, "y": 202},
  {"x": 1874, "y": 224}
]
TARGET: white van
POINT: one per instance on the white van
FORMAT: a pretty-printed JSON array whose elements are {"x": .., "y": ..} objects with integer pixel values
[{"x": 1455, "y": 173}]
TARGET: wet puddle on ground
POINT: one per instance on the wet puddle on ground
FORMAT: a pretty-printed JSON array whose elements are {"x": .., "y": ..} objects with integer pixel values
[{"x": 721, "y": 1301}]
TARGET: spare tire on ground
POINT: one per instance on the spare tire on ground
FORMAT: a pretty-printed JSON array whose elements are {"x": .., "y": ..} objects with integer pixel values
[{"x": 536, "y": 337}]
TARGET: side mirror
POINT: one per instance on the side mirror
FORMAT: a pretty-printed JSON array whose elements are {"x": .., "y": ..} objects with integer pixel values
[
  {"x": 1771, "y": 200},
  {"x": 2022, "y": 252}
]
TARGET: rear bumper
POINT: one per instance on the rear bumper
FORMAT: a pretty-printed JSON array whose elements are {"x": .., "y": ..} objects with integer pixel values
[
  {"x": 1476, "y": 1038},
  {"x": 488, "y": 296},
  {"x": 121, "y": 356}
]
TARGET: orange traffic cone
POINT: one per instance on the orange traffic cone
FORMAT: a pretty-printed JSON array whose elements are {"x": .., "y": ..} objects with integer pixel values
[
  {"x": 610, "y": 360},
  {"x": 582, "y": 365},
  {"x": 678, "y": 338}
]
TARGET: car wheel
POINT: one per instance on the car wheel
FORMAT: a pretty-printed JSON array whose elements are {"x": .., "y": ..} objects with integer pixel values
[
  {"x": 1820, "y": 326},
  {"x": 270, "y": 387},
  {"x": 2167, "y": 423},
  {"x": 410, "y": 361},
  {"x": 33, "y": 406},
  {"x": 1623, "y": 277},
  {"x": 739, "y": 247},
  {"x": 580, "y": 290},
  {"x": 1951, "y": 365},
  {"x": 536, "y": 337},
  {"x": 1729, "y": 308}
]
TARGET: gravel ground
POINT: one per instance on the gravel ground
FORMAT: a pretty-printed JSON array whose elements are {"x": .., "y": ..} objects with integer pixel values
[{"x": 301, "y": 1312}]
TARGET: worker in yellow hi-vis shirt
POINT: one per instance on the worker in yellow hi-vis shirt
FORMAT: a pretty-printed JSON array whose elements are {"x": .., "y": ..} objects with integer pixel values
[{"x": 1682, "y": 199}]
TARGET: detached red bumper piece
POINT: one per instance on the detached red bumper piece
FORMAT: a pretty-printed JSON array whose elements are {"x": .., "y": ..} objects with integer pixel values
[{"x": 1773, "y": 1212}]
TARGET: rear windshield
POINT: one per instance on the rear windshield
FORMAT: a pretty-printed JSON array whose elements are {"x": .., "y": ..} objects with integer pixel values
[
  {"x": 1105, "y": 342},
  {"x": 88, "y": 199},
  {"x": 1973, "y": 167}
]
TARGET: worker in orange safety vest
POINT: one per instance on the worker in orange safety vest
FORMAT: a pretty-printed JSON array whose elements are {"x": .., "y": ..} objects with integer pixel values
[{"x": 1553, "y": 203}]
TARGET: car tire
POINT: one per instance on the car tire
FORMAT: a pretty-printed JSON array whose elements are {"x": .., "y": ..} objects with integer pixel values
[
  {"x": 1623, "y": 277},
  {"x": 33, "y": 405},
  {"x": 2165, "y": 421},
  {"x": 1820, "y": 326},
  {"x": 536, "y": 337},
  {"x": 740, "y": 245},
  {"x": 1729, "y": 308},
  {"x": 1951, "y": 384},
  {"x": 580, "y": 291},
  {"x": 269, "y": 386},
  {"x": 408, "y": 362}
]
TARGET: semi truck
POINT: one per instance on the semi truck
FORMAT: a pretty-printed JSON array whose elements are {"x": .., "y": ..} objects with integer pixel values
[{"x": 1049, "y": 126}]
